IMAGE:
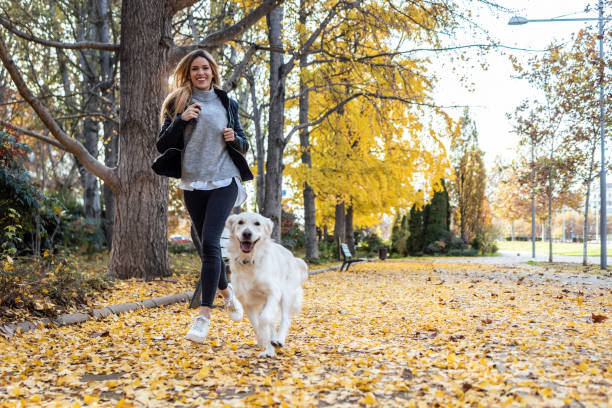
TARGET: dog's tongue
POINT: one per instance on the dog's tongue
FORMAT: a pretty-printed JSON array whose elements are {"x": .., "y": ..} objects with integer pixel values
[{"x": 246, "y": 246}]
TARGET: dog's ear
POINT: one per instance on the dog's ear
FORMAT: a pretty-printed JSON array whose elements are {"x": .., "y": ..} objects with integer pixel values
[
  {"x": 268, "y": 227},
  {"x": 231, "y": 220}
]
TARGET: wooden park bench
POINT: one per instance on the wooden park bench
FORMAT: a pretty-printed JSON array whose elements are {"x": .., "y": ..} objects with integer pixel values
[
  {"x": 197, "y": 293},
  {"x": 347, "y": 257}
]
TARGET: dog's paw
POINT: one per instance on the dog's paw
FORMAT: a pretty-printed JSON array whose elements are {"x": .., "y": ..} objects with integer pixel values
[
  {"x": 278, "y": 343},
  {"x": 266, "y": 354}
]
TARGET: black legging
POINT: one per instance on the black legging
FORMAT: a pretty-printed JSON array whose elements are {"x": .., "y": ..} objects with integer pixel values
[{"x": 208, "y": 210}]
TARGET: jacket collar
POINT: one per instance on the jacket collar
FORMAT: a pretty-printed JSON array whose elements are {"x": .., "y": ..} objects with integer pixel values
[{"x": 223, "y": 97}]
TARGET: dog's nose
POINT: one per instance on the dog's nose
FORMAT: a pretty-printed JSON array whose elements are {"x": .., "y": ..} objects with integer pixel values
[{"x": 247, "y": 234}]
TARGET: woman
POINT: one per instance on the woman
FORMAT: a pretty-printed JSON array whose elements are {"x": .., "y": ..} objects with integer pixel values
[{"x": 203, "y": 144}]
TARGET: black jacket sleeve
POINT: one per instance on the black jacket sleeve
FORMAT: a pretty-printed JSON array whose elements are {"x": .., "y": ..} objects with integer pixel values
[
  {"x": 171, "y": 134},
  {"x": 240, "y": 142}
]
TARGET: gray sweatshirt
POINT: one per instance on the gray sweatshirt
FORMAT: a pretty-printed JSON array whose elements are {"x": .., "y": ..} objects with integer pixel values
[{"x": 205, "y": 157}]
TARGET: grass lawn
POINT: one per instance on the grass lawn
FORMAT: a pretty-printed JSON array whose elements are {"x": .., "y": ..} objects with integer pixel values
[{"x": 559, "y": 248}]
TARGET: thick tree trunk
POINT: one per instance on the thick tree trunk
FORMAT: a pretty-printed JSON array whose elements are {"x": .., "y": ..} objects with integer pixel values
[
  {"x": 140, "y": 231},
  {"x": 310, "y": 225},
  {"x": 276, "y": 123},
  {"x": 350, "y": 231}
]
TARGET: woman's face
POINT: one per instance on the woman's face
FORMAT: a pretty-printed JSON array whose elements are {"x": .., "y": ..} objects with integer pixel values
[{"x": 200, "y": 73}]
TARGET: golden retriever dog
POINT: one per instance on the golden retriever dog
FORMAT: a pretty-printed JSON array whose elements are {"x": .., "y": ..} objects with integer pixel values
[{"x": 266, "y": 277}]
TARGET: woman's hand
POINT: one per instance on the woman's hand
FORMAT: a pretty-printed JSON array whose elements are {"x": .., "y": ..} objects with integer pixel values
[
  {"x": 228, "y": 134},
  {"x": 192, "y": 112}
]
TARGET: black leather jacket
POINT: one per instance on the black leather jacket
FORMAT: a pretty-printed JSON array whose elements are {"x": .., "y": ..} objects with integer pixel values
[{"x": 170, "y": 142}]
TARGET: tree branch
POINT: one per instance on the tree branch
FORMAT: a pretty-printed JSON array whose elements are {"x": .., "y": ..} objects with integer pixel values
[
  {"x": 26, "y": 132},
  {"x": 58, "y": 44},
  {"x": 311, "y": 39},
  {"x": 232, "y": 82},
  {"x": 107, "y": 174},
  {"x": 350, "y": 98},
  {"x": 220, "y": 37}
]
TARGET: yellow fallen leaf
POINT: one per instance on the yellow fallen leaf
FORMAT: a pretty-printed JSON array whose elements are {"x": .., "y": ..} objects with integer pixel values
[
  {"x": 368, "y": 399},
  {"x": 203, "y": 373},
  {"x": 547, "y": 392},
  {"x": 90, "y": 398}
]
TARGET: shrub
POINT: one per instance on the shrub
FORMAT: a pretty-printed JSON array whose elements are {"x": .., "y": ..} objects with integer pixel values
[
  {"x": 435, "y": 247},
  {"x": 46, "y": 286},
  {"x": 370, "y": 242},
  {"x": 292, "y": 233},
  {"x": 181, "y": 248},
  {"x": 328, "y": 250}
]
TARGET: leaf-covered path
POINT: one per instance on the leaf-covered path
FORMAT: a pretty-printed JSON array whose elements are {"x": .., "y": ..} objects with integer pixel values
[{"x": 392, "y": 334}]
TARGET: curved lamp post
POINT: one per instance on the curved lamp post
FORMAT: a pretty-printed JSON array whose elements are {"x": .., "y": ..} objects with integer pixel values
[{"x": 517, "y": 20}]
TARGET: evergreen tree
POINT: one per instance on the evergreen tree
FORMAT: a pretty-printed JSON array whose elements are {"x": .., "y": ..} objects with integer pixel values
[
  {"x": 437, "y": 218},
  {"x": 415, "y": 227},
  {"x": 399, "y": 236}
]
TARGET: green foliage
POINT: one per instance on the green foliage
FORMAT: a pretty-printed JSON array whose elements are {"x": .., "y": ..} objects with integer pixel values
[
  {"x": 181, "y": 248},
  {"x": 371, "y": 243},
  {"x": 437, "y": 219},
  {"x": 328, "y": 250},
  {"x": 31, "y": 221},
  {"x": 415, "y": 227},
  {"x": 46, "y": 286},
  {"x": 19, "y": 200},
  {"x": 400, "y": 236},
  {"x": 292, "y": 233}
]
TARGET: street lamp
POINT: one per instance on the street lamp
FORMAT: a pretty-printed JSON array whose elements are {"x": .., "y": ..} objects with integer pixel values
[{"x": 517, "y": 20}]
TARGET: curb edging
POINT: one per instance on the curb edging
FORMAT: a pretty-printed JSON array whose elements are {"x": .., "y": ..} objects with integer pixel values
[{"x": 9, "y": 330}]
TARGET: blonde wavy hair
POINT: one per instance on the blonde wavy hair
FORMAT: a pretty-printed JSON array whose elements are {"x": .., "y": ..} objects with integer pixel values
[{"x": 180, "y": 97}]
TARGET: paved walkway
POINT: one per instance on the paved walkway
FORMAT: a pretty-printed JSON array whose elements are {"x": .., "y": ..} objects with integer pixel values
[{"x": 519, "y": 257}]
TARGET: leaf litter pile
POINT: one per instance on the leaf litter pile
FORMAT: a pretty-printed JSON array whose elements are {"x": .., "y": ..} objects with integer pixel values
[{"x": 386, "y": 333}]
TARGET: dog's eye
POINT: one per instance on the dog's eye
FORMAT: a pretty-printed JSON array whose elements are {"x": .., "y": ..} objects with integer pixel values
[
  {"x": 256, "y": 222},
  {"x": 240, "y": 222}
]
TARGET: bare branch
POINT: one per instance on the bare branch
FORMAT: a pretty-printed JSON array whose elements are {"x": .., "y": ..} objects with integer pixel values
[
  {"x": 58, "y": 44},
  {"x": 218, "y": 38},
  {"x": 311, "y": 39},
  {"x": 232, "y": 82},
  {"x": 87, "y": 115},
  {"x": 26, "y": 132},
  {"x": 107, "y": 174}
]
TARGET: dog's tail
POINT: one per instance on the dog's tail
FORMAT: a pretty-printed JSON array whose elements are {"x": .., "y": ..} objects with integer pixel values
[{"x": 302, "y": 267}]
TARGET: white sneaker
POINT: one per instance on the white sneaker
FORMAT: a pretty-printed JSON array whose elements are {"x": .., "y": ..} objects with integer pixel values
[
  {"x": 199, "y": 330},
  {"x": 233, "y": 306}
]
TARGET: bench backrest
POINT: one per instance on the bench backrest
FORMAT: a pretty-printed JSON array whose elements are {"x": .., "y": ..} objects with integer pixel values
[{"x": 346, "y": 251}]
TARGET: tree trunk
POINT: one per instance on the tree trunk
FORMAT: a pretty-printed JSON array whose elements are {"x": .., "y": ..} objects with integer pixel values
[
  {"x": 550, "y": 257},
  {"x": 350, "y": 232},
  {"x": 276, "y": 123},
  {"x": 340, "y": 223},
  {"x": 310, "y": 225},
  {"x": 90, "y": 104},
  {"x": 111, "y": 135},
  {"x": 585, "y": 225},
  {"x": 260, "y": 148},
  {"x": 140, "y": 231}
]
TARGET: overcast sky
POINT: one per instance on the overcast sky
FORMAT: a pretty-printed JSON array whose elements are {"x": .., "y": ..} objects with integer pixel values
[{"x": 495, "y": 92}]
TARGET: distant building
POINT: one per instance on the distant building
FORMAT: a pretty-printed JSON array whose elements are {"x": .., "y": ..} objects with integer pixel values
[{"x": 595, "y": 200}]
